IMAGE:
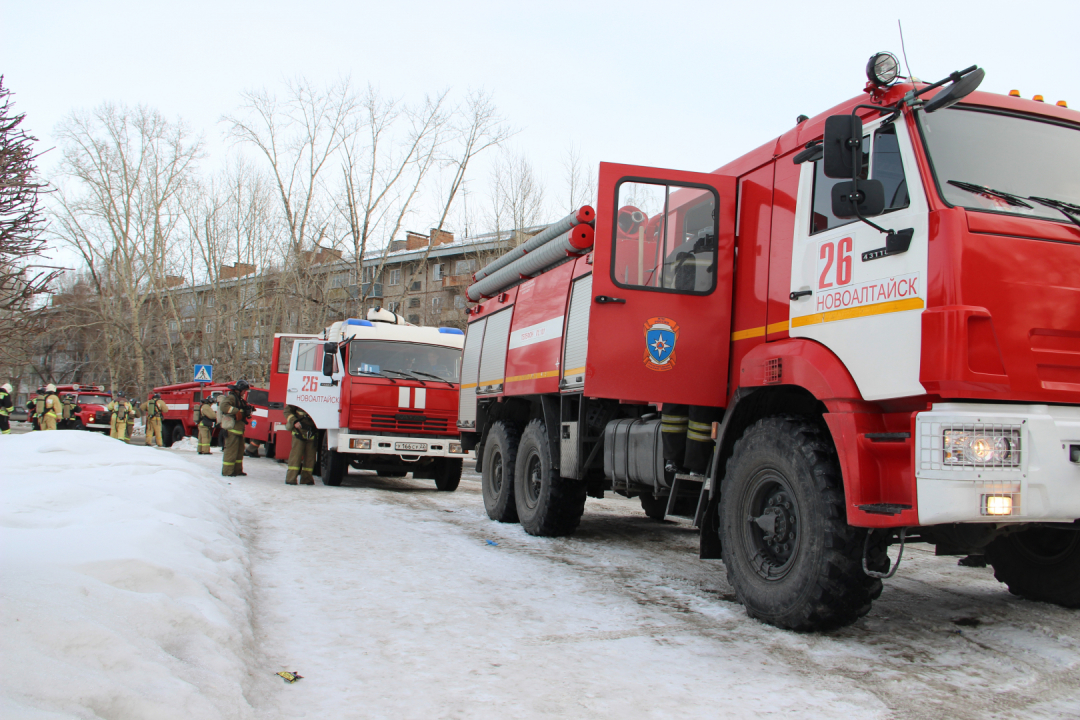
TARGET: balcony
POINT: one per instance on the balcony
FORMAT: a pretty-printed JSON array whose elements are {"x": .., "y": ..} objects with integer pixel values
[
  {"x": 456, "y": 280},
  {"x": 369, "y": 290}
]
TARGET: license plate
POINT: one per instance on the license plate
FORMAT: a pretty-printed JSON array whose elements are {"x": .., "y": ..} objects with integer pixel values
[{"x": 414, "y": 447}]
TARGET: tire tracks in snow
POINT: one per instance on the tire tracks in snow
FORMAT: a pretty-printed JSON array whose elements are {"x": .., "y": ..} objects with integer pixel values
[{"x": 1022, "y": 659}]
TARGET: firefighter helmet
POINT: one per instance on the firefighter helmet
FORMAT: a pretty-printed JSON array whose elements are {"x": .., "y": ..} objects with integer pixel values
[
  {"x": 50, "y": 388},
  {"x": 241, "y": 386},
  {"x": 6, "y": 387}
]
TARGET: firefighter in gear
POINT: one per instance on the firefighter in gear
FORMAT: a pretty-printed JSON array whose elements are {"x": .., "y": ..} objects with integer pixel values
[
  {"x": 120, "y": 411},
  {"x": 233, "y": 412},
  {"x": 153, "y": 410},
  {"x": 5, "y": 408},
  {"x": 37, "y": 409},
  {"x": 67, "y": 420},
  {"x": 686, "y": 431},
  {"x": 207, "y": 417},
  {"x": 54, "y": 409},
  {"x": 302, "y": 454}
]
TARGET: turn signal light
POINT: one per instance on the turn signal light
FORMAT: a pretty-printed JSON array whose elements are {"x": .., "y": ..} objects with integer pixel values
[
  {"x": 360, "y": 444},
  {"x": 1038, "y": 98},
  {"x": 1062, "y": 103},
  {"x": 1014, "y": 93}
]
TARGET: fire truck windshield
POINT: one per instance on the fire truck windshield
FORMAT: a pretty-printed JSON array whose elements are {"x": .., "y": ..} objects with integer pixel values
[
  {"x": 998, "y": 162},
  {"x": 85, "y": 399},
  {"x": 427, "y": 362}
]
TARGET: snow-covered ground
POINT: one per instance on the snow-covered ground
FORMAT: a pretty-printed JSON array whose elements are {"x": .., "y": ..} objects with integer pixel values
[
  {"x": 125, "y": 588},
  {"x": 140, "y": 583}
]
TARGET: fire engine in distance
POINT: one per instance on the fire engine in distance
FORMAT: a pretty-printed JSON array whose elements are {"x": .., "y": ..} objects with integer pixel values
[{"x": 381, "y": 392}]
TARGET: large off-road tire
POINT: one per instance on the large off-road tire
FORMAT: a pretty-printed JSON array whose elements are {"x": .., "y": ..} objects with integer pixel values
[
  {"x": 173, "y": 434},
  {"x": 497, "y": 479},
  {"x": 447, "y": 474},
  {"x": 1039, "y": 564},
  {"x": 547, "y": 504},
  {"x": 332, "y": 466},
  {"x": 654, "y": 507},
  {"x": 791, "y": 557}
]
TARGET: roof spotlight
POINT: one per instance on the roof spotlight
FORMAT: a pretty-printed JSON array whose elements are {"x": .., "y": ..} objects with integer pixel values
[{"x": 883, "y": 69}]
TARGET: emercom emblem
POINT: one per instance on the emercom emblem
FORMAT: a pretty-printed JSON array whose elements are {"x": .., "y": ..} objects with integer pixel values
[{"x": 661, "y": 334}]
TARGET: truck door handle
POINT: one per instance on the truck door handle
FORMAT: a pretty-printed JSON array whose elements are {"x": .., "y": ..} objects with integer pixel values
[
  {"x": 800, "y": 293},
  {"x": 605, "y": 299}
]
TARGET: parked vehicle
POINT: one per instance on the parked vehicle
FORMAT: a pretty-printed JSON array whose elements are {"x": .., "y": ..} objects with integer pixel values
[
  {"x": 382, "y": 392},
  {"x": 184, "y": 398},
  {"x": 882, "y": 308}
]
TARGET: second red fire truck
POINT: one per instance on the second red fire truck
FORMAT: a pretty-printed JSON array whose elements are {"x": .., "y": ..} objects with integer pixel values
[
  {"x": 876, "y": 316},
  {"x": 382, "y": 392}
]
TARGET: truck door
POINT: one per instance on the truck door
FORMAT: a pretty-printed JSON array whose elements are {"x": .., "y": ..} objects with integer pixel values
[
  {"x": 662, "y": 286},
  {"x": 309, "y": 389}
]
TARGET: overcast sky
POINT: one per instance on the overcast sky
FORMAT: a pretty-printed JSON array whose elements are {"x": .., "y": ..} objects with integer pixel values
[{"x": 688, "y": 85}]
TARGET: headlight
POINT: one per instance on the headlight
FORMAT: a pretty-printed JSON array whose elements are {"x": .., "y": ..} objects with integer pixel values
[
  {"x": 456, "y": 448},
  {"x": 360, "y": 443},
  {"x": 90, "y": 417},
  {"x": 982, "y": 446}
]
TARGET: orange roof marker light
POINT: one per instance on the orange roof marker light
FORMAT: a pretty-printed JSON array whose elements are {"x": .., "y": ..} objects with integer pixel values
[
  {"x": 1062, "y": 103},
  {"x": 1038, "y": 98},
  {"x": 1014, "y": 93}
]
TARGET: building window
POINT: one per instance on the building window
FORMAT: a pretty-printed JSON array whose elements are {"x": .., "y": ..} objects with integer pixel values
[
  {"x": 464, "y": 267},
  {"x": 414, "y": 302},
  {"x": 436, "y": 271},
  {"x": 395, "y": 276},
  {"x": 209, "y": 301},
  {"x": 415, "y": 287},
  {"x": 173, "y": 326},
  {"x": 393, "y": 306},
  {"x": 370, "y": 273},
  {"x": 414, "y": 319},
  {"x": 339, "y": 280},
  {"x": 436, "y": 305},
  {"x": 459, "y": 301}
]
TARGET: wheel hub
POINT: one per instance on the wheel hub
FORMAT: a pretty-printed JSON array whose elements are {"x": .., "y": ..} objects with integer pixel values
[
  {"x": 772, "y": 524},
  {"x": 534, "y": 480},
  {"x": 496, "y": 472}
]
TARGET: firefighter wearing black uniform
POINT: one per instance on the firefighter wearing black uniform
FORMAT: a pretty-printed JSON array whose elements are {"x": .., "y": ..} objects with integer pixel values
[
  {"x": 5, "y": 408},
  {"x": 686, "y": 431},
  {"x": 302, "y": 452},
  {"x": 233, "y": 412}
]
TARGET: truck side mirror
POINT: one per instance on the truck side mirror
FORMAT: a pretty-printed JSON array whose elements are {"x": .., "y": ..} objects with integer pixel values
[
  {"x": 961, "y": 88},
  {"x": 328, "y": 364},
  {"x": 867, "y": 201},
  {"x": 842, "y": 146}
]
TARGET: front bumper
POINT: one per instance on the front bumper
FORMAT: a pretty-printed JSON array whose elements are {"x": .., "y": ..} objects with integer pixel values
[
  {"x": 408, "y": 448},
  {"x": 1040, "y": 482}
]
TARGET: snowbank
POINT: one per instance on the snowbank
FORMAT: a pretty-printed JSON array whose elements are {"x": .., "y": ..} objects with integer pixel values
[{"x": 125, "y": 588}]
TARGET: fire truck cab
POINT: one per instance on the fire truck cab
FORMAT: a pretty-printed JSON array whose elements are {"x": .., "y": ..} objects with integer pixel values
[
  {"x": 883, "y": 315},
  {"x": 382, "y": 393}
]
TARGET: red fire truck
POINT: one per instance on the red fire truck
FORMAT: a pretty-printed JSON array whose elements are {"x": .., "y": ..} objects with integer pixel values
[
  {"x": 382, "y": 392},
  {"x": 89, "y": 411},
  {"x": 183, "y": 400},
  {"x": 882, "y": 309}
]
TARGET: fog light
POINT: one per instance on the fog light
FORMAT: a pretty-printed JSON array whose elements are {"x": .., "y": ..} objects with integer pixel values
[
  {"x": 360, "y": 443},
  {"x": 456, "y": 448},
  {"x": 997, "y": 504}
]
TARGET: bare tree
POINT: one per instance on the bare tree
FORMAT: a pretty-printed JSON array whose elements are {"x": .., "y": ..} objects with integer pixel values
[
  {"x": 22, "y": 281},
  {"x": 383, "y": 175},
  {"x": 119, "y": 211},
  {"x": 477, "y": 127},
  {"x": 580, "y": 181}
]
